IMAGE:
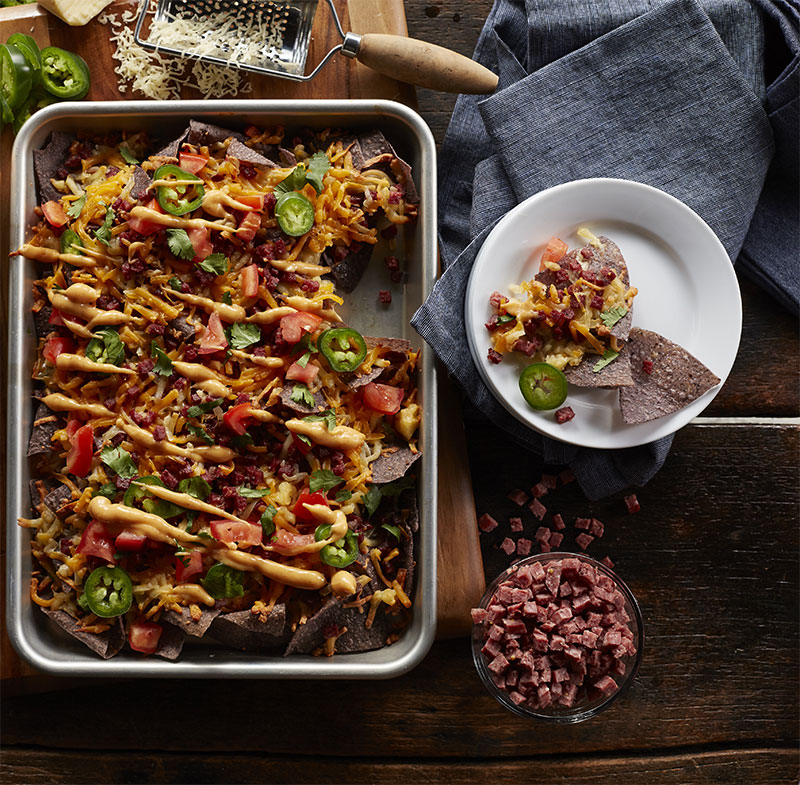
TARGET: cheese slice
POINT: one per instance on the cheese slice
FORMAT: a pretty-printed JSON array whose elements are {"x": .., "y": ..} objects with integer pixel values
[{"x": 75, "y": 12}]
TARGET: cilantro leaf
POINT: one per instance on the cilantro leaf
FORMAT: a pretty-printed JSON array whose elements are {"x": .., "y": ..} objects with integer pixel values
[
  {"x": 244, "y": 335},
  {"x": 609, "y": 355},
  {"x": 201, "y": 433},
  {"x": 303, "y": 438},
  {"x": 216, "y": 263},
  {"x": 317, "y": 167},
  {"x": 176, "y": 283},
  {"x": 203, "y": 408},
  {"x": 241, "y": 441},
  {"x": 613, "y": 315},
  {"x": 109, "y": 490},
  {"x": 75, "y": 208},
  {"x": 294, "y": 182},
  {"x": 106, "y": 347},
  {"x": 119, "y": 461},
  {"x": 343, "y": 495},
  {"x": 328, "y": 417},
  {"x": 127, "y": 155},
  {"x": 103, "y": 234},
  {"x": 226, "y": 298},
  {"x": 323, "y": 480},
  {"x": 267, "y": 524},
  {"x": 223, "y": 582},
  {"x": 505, "y": 318},
  {"x": 301, "y": 394},
  {"x": 163, "y": 365},
  {"x": 180, "y": 244},
  {"x": 372, "y": 499},
  {"x": 393, "y": 530},
  {"x": 195, "y": 486},
  {"x": 303, "y": 361},
  {"x": 251, "y": 493}
]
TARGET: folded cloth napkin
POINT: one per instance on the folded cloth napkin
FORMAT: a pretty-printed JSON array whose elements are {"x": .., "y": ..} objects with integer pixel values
[{"x": 672, "y": 97}]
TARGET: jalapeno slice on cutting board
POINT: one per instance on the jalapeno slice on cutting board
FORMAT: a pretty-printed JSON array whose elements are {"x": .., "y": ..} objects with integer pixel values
[
  {"x": 108, "y": 592},
  {"x": 15, "y": 76},
  {"x": 64, "y": 74},
  {"x": 182, "y": 197},
  {"x": 295, "y": 213},
  {"x": 543, "y": 386},
  {"x": 343, "y": 348}
]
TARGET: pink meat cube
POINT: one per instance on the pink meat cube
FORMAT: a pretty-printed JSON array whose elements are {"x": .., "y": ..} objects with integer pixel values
[
  {"x": 538, "y": 509},
  {"x": 544, "y": 547},
  {"x": 523, "y": 577},
  {"x": 542, "y": 534},
  {"x": 479, "y": 615},
  {"x": 584, "y": 541},
  {"x": 539, "y": 640},
  {"x": 606, "y": 685},
  {"x": 587, "y": 573},
  {"x": 557, "y": 642},
  {"x": 524, "y": 546},
  {"x": 539, "y": 490},
  {"x": 486, "y": 523},
  {"x": 496, "y": 612},
  {"x": 520, "y": 595},
  {"x": 508, "y": 545},
  {"x": 515, "y": 626},
  {"x": 612, "y": 638},
  {"x": 563, "y": 614},
  {"x": 545, "y": 698},
  {"x": 607, "y": 562},
  {"x": 596, "y": 528},
  {"x": 529, "y": 609},
  {"x": 537, "y": 571},
  {"x": 518, "y": 496},
  {"x": 516, "y": 524},
  {"x": 558, "y": 522},
  {"x": 589, "y": 639},
  {"x": 504, "y": 594},
  {"x": 556, "y": 539},
  {"x": 491, "y": 649},
  {"x": 526, "y": 661},
  {"x": 553, "y": 578},
  {"x": 549, "y": 481},
  {"x": 561, "y": 674},
  {"x": 568, "y": 697},
  {"x": 580, "y": 604},
  {"x": 573, "y": 653},
  {"x": 566, "y": 476},
  {"x": 565, "y": 590},
  {"x": 516, "y": 697},
  {"x": 632, "y": 503},
  {"x": 512, "y": 677},
  {"x": 495, "y": 633},
  {"x": 583, "y": 523}
]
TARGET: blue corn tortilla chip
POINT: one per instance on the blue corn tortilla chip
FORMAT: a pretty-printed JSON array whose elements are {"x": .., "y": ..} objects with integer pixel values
[
  {"x": 171, "y": 149},
  {"x": 392, "y": 464},
  {"x": 47, "y": 162},
  {"x": 349, "y": 270},
  {"x": 170, "y": 644},
  {"x": 248, "y": 630},
  {"x": 616, "y": 374},
  {"x": 206, "y": 133},
  {"x": 45, "y": 423},
  {"x": 106, "y": 644},
  {"x": 301, "y": 408},
  {"x": 59, "y": 501},
  {"x": 185, "y": 622},
  {"x": 241, "y": 152},
  {"x": 141, "y": 182}
]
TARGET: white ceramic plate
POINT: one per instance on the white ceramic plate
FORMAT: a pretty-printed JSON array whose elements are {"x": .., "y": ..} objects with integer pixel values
[{"x": 688, "y": 293}]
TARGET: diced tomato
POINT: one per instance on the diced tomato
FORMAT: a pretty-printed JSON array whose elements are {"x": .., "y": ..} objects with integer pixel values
[
  {"x": 194, "y": 566},
  {"x": 383, "y": 398},
  {"x": 250, "y": 281},
  {"x": 55, "y": 345},
  {"x": 237, "y": 531},
  {"x": 237, "y": 418},
  {"x": 253, "y": 201},
  {"x": 55, "y": 318},
  {"x": 54, "y": 213},
  {"x": 300, "y": 512},
  {"x": 192, "y": 162},
  {"x": 198, "y": 236},
  {"x": 143, "y": 636},
  {"x": 96, "y": 541},
  {"x": 213, "y": 338},
  {"x": 141, "y": 225},
  {"x": 295, "y": 324},
  {"x": 287, "y": 543},
  {"x": 554, "y": 252},
  {"x": 297, "y": 373},
  {"x": 300, "y": 445},
  {"x": 128, "y": 541},
  {"x": 79, "y": 459},
  {"x": 248, "y": 227},
  {"x": 73, "y": 425}
]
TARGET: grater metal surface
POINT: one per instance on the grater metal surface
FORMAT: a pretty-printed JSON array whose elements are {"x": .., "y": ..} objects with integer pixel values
[{"x": 280, "y": 30}]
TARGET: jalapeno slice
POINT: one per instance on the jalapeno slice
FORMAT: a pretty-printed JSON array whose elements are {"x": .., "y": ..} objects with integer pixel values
[
  {"x": 543, "y": 386},
  {"x": 340, "y": 553},
  {"x": 15, "y": 76},
  {"x": 343, "y": 348},
  {"x": 136, "y": 493},
  {"x": 64, "y": 74},
  {"x": 70, "y": 242},
  {"x": 183, "y": 197},
  {"x": 295, "y": 213},
  {"x": 30, "y": 51},
  {"x": 108, "y": 592}
]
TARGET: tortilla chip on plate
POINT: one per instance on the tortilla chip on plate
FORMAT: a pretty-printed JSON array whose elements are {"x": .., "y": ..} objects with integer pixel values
[{"x": 106, "y": 644}]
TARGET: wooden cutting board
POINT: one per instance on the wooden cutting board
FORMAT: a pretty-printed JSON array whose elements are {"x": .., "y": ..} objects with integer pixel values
[{"x": 461, "y": 580}]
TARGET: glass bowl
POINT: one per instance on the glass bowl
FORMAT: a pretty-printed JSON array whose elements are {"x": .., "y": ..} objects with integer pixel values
[{"x": 589, "y": 700}]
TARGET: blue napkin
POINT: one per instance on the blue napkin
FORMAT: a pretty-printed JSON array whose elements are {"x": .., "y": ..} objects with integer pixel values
[{"x": 673, "y": 97}]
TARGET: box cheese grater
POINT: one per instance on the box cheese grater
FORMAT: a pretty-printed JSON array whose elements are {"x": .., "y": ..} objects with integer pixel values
[{"x": 272, "y": 37}]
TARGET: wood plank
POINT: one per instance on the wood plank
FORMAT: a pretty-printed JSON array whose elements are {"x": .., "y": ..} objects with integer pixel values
[
  {"x": 711, "y": 558},
  {"x": 724, "y": 767}
]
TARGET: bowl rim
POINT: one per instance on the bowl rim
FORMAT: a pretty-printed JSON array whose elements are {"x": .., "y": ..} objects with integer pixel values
[{"x": 567, "y": 716}]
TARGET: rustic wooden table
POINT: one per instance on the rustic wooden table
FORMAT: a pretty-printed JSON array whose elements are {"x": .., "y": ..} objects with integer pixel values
[{"x": 712, "y": 558}]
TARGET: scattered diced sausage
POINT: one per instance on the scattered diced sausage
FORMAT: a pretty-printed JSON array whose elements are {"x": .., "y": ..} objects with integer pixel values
[
  {"x": 558, "y": 522},
  {"x": 494, "y": 357},
  {"x": 543, "y": 534},
  {"x": 516, "y": 524},
  {"x": 584, "y": 540},
  {"x": 583, "y": 523},
  {"x": 549, "y": 481},
  {"x": 524, "y": 546},
  {"x": 508, "y": 545},
  {"x": 486, "y": 523},
  {"x": 385, "y": 296},
  {"x": 607, "y": 562},
  {"x": 632, "y": 503},
  {"x": 538, "y": 509},
  {"x": 564, "y": 414},
  {"x": 539, "y": 490},
  {"x": 556, "y": 540},
  {"x": 479, "y": 615},
  {"x": 596, "y": 528},
  {"x": 519, "y": 497}
]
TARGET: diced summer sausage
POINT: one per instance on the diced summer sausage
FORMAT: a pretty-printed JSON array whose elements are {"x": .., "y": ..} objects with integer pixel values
[
  {"x": 555, "y": 539},
  {"x": 549, "y": 481},
  {"x": 632, "y": 503},
  {"x": 486, "y": 523},
  {"x": 539, "y": 490},
  {"x": 524, "y": 546},
  {"x": 538, "y": 509},
  {"x": 596, "y": 528},
  {"x": 583, "y": 523},
  {"x": 508, "y": 545},
  {"x": 516, "y": 524},
  {"x": 542, "y": 534},
  {"x": 584, "y": 541},
  {"x": 558, "y": 522},
  {"x": 518, "y": 496}
]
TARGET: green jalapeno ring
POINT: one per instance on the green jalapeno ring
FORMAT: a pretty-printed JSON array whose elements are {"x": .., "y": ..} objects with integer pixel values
[
  {"x": 70, "y": 242},
  {"x": 340, "y": 553},
  {"x": 173, "y": 198},
  {"x": 64, "y": 74},
  {"x": 294, "y": 213},
  {"x": 108, "y": 592},
  {"x": 343, "y": 348},
  {"x": 16, "y": 76}
]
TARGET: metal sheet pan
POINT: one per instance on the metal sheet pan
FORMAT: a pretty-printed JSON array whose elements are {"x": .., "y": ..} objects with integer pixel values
[{"x": 34, "y": 636}]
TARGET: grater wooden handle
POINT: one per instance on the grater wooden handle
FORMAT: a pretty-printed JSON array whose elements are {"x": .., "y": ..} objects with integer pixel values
[{"x": 424, "y": 64}]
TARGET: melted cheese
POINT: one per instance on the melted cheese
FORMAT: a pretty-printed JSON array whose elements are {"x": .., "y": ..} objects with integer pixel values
[
  {"x": 230, "y": 313},
  {"x": 118, "y": 517},
  {"x": 340, "y": 438}
]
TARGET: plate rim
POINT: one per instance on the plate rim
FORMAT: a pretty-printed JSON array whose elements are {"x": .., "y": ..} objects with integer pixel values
[{"x": 677, "y": 419}]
